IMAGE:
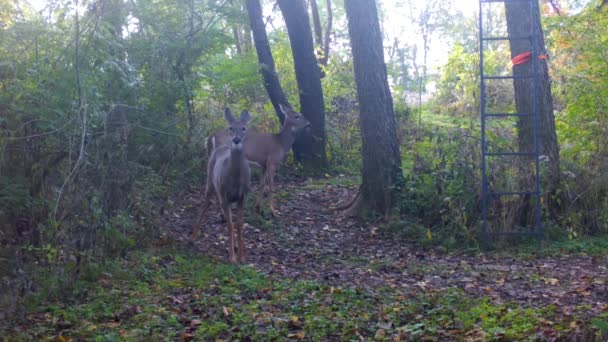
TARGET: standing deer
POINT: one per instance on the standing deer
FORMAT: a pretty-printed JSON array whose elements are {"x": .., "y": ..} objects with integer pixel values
[
  {"x": 266, "y": 150},
  {"x": 228, "y": 176}
]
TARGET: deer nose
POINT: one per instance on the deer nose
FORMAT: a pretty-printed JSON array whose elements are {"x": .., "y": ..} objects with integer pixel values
[{"x": 236, "y": 140}]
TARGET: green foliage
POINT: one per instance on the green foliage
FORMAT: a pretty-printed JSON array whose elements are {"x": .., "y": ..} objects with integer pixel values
[
  {"x": 439, "y": 201},
  {"x": 174, "y": 294},
  {"x": 579, "y": 70}
]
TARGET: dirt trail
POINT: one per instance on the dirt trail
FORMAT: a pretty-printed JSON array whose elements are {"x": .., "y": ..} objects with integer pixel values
[{"x": 309, "y": 242}]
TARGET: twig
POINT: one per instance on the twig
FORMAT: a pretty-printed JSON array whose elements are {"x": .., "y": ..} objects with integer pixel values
[
  {"x": 80, "y": 157},
  {"x": 43, "y": 134},
  {"x": 155, "y": 130},
  {"x": 82, "y": 112}
]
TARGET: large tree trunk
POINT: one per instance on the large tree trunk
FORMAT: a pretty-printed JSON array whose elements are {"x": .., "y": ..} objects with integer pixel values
[
  {"x": 310, "y": 146},
  {"x": 382, "y": 174},
  {"x": 521, "y": 18},
  {"x": 267, "y": 68}
]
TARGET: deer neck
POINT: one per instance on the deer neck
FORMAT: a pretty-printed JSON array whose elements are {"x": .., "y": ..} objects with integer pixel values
[
  {"x": 287, "y": 137},
  {"x": 237, "y": 160}
]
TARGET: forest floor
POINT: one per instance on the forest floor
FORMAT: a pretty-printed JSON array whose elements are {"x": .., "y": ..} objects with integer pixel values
[
  {"x": 313, "y": 275},
  {"x": 310, "y": 242}
]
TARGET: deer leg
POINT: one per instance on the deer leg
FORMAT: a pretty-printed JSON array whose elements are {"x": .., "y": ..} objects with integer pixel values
[
  {"x": 263, "y": 183},
  {"x": 227, "y": 214},
  {"x": 271, "y": 171},
  {"x": 239, "y": 229}
]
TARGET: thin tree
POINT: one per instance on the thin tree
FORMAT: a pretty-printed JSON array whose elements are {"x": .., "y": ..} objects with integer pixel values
[
  {"x": 267, "y": 67},
  {"x": 523, "y": 18},
  {"x": 309, "y": 148},
  {"x": 382, "y": 174},
  {"x": 322, "y": 44}
]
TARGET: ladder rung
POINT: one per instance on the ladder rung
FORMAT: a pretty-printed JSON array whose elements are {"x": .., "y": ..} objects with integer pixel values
[
  {"x": 511, "y": 154},
  {"x": 507, "y": 77},
  {"x": 510, "y": 193},
  {"x": 503, "y": 115},
  {"x": 506, "y": 38}
]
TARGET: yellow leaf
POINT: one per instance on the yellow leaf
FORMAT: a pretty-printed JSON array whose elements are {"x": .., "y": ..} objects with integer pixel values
[
  {"x": 333, "y": 290},
  {"x": 298, "y": 336},
  {"x": 429, "y": 234},
  {"x": 552, "y": 281}
]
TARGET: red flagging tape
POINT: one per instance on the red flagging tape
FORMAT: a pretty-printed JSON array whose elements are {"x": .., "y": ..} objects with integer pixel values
[{"x": 525, "y": 57}]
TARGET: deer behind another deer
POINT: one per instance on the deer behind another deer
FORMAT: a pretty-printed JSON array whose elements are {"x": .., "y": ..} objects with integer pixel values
[{"x": 265, "y": 150}]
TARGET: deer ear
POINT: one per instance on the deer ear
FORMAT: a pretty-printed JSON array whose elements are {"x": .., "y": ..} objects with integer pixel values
[
  {"x": 245, "y": 116},
  {"x": 283, "y": 108},
  {"x": 228, "y": 115}
]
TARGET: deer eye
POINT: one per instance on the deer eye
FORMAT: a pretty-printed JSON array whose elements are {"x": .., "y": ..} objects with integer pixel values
[
  {"x": 230, "y": 128},
  {"x": 297, "y": 117},
  {"x": 243, "y": 129}
]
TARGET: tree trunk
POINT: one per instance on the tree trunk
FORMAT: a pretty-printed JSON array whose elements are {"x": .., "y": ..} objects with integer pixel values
[
  {"x": 236, "y": 34},
  {"x": 382, "y": 174},
  {"x": 309, "y": 148},
  {"x": 117, "y": 182},
  {"x": 237, "y": 39},
  {"x": 322, "y": 48},
  {"x": 325, "y": 58},
  {"x": 522, "y": 17},
  {"x": 314, "y": 9},
  {"x": 267, "y": 68}
]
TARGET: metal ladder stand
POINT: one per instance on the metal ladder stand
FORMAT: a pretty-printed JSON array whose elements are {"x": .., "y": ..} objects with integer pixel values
[{"x": 487, "y": 194}]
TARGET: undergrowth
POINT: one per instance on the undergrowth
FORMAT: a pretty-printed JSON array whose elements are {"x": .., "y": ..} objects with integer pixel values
[{"x": 172, "y": 295}]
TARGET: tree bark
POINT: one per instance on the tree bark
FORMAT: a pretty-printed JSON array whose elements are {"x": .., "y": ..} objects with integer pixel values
[
  {"x": 522, "y": 19},
  {"x": 237, "y": 39},
  {"x": 322, "y": 49},
  {"x": 325, "y": 58},
  {"x": 314, "y": 9},
  {"x": 382, "y": 174},
  {"x": 236, "y": 31},
  {"x": 117, "y": 182},
  {"x": 267, "y": 67},
  {"x": 309, "y": 148}
]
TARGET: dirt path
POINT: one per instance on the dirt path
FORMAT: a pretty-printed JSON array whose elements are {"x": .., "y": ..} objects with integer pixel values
[{"x": 308, "y": 242}]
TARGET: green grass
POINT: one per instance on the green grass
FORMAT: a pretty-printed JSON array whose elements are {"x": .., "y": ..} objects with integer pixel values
[
  {"x": 583, "y": 246},
  {"x": 321, "y": 183},
  {"x": 174, "y": 294}
]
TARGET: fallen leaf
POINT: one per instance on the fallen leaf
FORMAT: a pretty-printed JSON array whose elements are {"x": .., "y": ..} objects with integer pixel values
[
  {"x": 380, "y": 334},
  {"x": 551, "y": 281},
  {"x": 294, "y": 322},
  {"x": 298, "y": 336}
]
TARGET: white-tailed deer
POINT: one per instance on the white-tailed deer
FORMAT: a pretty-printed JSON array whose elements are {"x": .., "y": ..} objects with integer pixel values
[
  {"x": 266, "y": 150},
  {"x": 228, "y": 177}
]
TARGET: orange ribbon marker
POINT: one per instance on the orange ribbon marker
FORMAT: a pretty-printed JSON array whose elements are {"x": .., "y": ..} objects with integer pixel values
[{"x": 525, "y": 57}]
